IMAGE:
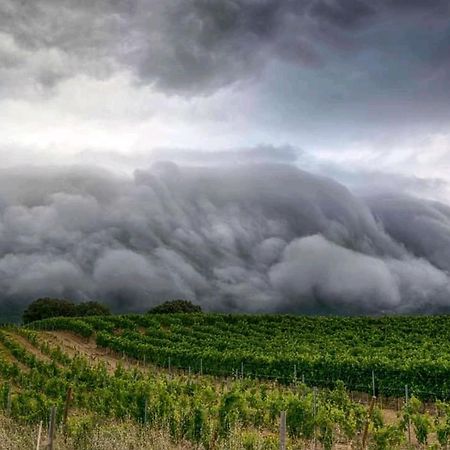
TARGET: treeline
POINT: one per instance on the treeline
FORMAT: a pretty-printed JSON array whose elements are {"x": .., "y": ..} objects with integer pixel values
[{"x": 46, "y": 308}]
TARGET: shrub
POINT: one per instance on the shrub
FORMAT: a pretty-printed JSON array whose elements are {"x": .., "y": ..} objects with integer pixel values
[{"x": 387, "y": 437}]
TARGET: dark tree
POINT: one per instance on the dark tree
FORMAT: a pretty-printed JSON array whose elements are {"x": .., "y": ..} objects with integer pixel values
[
  {"x": 176, "y": 306},
  {"x": 91, "y": 309},
  {"x": 43, "y": 308}
]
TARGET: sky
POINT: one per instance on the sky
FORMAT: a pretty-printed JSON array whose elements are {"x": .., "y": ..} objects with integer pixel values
[{"x": 234, "y": 152}]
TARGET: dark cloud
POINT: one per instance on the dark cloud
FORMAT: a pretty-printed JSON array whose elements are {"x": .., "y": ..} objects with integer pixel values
[
  {"x": 248, "y": 238},
  {"x": 192, "y": 46},
  {"x": 343, "y": 13},
  {"x": 428, "y": 232}
]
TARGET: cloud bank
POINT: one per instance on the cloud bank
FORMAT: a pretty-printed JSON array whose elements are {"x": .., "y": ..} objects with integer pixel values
[{"x": 258, "y": 238}]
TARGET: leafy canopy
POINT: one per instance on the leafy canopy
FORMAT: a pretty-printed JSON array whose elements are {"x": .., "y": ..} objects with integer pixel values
[
  {"x": 44, "y": 308},
  {"x": 176, "y": 306}
]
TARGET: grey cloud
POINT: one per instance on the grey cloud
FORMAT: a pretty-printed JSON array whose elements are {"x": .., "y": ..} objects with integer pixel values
[
  {"x": 423, "y": 227},
  {"x": 366, "y": 182},
  {"x": 182, "y": 46},
  {"x": 318, "y": 270},
  {"x": 260, "y": 154},
  {"x": 259, "y": 237},
  {"x": 342, "y": 13}
]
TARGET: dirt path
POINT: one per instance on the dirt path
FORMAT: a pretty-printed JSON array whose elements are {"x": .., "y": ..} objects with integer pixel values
[
  {"x": 29, "y": 347},
  {"x": 74, "y": 345},
  {"x": 5, "y": 353}
]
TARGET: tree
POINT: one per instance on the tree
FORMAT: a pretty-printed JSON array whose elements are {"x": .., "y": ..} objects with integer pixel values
[
  {"x": 176, "y": 306},
  {"x": 43, "y": 308},
  {"x": 91, "y": 309}
]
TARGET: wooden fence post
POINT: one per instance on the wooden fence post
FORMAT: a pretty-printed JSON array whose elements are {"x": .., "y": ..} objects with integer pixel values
[
  {"x": 409, "y": 420},
  {"x": 366, "y": 426},
  {"x": 145, "y": 411},
  {"x": 67, "y": 405},
  {"x": 38, "y": 443},
  {"x": 373, "y": 384},
  {"x": 314, "y": 414},
  {"x": 283, "y": 430},
  {"x": 51, "y": 428},
  {"x": 9, "y": 401}
]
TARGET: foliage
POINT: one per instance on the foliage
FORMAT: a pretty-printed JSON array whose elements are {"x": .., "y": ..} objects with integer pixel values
[
  {"x": 65, "y": 323},
  {"x": 399, "y": 350},
  {"x": 208, "y": 412},
  {"x": 387, "y": 437},
  {"x": 44, "y": 308},
  {"x": 91, "y": 309},
  {"x": 442, "y": 424},
  {"x": 175, "y": 306},
  {"x": 421, "y": 422}
]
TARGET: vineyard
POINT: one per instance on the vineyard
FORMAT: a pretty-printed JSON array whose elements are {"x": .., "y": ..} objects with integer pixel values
[
  {"x": 364, "y": 353},
  {"x": 158, "y": 376}
]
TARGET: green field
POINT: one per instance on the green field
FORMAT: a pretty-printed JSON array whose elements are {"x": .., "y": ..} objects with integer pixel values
[
  {"x": 189, "y": 411},
  {"x": 392, "y": 351},
  {"x": 210, "y": 381}
]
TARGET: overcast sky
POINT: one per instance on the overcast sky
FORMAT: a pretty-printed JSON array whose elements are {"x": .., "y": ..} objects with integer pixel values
[
  {"x": 361, "y": 83},
  {"x": 354, "y": 90}
]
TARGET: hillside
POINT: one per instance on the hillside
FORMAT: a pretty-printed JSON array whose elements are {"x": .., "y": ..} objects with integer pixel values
[
  {"x": 124, "y": 382},
  {"x": 390, "y": 352}
]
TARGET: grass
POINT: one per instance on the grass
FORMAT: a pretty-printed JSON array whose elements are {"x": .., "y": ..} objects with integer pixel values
[{"x": 87, "y": 433}]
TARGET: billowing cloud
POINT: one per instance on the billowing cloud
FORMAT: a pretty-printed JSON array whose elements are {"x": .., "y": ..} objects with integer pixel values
[
  {"x": 259, "y": 237},
  {"x": 327, "y": 76},
  {"x": 234, "y": 95},
  {"x": 187, "y": 46},
  {"x": 427, "y": 234}
]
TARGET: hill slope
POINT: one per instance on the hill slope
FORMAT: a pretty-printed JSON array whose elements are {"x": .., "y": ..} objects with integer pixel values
[
  {"x": 112, "y": 393},
  {"x": 392, "y": 351}
]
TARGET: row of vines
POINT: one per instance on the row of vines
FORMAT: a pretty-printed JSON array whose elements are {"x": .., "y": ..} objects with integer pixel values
[
  {"x": 396, "y": 351},
  {"x": 201, "y": 409}
]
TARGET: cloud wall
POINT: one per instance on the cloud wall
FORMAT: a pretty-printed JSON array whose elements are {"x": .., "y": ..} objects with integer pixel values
[{"x": 254, "y": 238}]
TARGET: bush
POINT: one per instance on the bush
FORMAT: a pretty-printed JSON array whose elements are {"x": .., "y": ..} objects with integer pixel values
[
  {"x": 45, "y": 308},
  {"x": 176, "y": 306}
]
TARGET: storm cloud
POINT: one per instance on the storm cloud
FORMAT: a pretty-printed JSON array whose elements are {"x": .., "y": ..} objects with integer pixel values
[
  {"x": 259, "y": 237},
  {"x": 199, "y": 45}
]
